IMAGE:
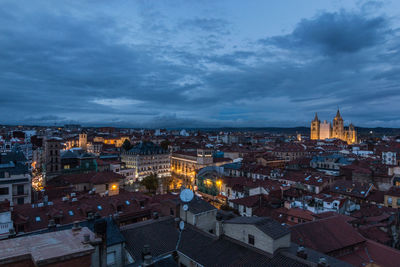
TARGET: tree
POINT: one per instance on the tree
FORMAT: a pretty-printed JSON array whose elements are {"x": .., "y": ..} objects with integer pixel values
[
  {"x": 150, "y": 182},
  {"x": 166, "y": 182},
  {"x": 164, "y": 144},
  {"x": 126, "y": 145}
]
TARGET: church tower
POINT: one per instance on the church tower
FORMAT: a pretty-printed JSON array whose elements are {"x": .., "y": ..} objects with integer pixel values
[
  {"x": 83, "y": 140},
  {"x": 315, "y": 126},
  {"x": 338, "y": 127},
  {"x": 351, "y": 134}
]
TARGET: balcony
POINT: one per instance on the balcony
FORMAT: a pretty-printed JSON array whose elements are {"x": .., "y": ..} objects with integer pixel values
[{"x": 20, "y": 193}]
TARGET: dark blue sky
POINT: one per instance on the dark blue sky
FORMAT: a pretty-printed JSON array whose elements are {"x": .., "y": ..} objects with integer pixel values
[{"x": 199, "y": 63}]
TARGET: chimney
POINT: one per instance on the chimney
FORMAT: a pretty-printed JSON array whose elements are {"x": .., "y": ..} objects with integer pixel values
[
  {"x": 86, "y": 238},
  {"x": 301, "y": 252},
  {"x": 12, "y": 233},
  {"x": 52, "y": 225},
  {"x": 76, "y": 226},
  {"x": 219, "y": 230},
  {"x": 323, "y": 262},
  {"x": 155, "y": 215},
  {"x": 146, "y": 256}
]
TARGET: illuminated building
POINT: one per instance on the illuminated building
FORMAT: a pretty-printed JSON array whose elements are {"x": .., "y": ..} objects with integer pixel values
[
  {"x": 315, "y": 128},
  {"x": 186, "y": 164},
  {"x": 147, "y": 158},
  {"x": 83, "y": 140},
  {"x": 325, "y": 131}
]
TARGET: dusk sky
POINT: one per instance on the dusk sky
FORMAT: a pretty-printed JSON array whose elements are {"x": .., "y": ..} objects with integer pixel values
[{"x": 199, "y": 63}]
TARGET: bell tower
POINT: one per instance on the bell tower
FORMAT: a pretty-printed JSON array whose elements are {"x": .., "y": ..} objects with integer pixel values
[
  {"x": 338, "y": 127},
  {"x": 83, "y": 140},
  {"x": 315, "y": 126}
]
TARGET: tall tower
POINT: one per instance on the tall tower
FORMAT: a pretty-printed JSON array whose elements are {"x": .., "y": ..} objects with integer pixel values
[
  {"x": 338, "y": 127},
  {"x": 351, "y": 134},
  {"x": 315, "y": 126},
  {"x": 83, "y": 140},
  {"x": 52, "y": 147}
]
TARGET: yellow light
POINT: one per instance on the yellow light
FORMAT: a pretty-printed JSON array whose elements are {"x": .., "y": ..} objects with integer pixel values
[
  {"x": 114, "y": 186},
  {"x": 219, "y": 182}
]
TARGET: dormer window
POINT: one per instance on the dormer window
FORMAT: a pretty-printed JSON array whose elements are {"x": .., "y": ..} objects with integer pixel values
[{"x": 251, "y": 239}]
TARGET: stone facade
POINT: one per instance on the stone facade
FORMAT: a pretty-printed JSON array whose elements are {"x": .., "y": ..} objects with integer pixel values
[{"x": 325, "y": 131}]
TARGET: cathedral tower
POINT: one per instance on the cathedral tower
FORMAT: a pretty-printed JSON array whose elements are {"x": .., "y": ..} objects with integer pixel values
[
  {"x": 315, "y": 126},
  {"x": 338, "y": 127}
]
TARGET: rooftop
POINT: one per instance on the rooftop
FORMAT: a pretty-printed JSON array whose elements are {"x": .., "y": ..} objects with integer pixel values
[{"x": 48, "y": 247}]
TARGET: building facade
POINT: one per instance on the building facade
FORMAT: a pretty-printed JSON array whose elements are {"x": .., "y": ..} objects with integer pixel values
[
  {"x": 52, "y": 157},
  {"x": 15, "y": 180},
  {"x": 322, "y": 131},
  {"x": 147, "y": 158}
]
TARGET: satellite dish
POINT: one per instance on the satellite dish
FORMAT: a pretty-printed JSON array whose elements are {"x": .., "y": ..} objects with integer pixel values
[
  {"x": 185, "y": 207},
  {"x": 181, "y": 225},
  {"x": 186, "y": 195}
]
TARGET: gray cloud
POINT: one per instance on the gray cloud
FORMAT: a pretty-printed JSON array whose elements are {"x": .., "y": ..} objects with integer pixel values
[
  {"x": 334, "y": 33},
  {"x": 152, "y": 69}
]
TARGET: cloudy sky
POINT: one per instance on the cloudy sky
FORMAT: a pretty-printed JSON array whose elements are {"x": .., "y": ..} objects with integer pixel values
[{"x": 199, "y": 63}]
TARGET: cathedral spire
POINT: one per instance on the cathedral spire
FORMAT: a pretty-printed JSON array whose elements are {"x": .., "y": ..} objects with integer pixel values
[
  {"x": 316, "y": 117},
  {"x": 338, "y": 114}
]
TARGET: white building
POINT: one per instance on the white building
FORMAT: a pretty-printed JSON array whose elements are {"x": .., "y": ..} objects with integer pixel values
[
  {"x": 6, "y": 224},
  {"x": 147, "y": 158},
  {"x": 15, "y": 178}
]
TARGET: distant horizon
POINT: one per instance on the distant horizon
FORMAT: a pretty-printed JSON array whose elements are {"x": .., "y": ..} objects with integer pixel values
[{"x": 182, "y": 127}]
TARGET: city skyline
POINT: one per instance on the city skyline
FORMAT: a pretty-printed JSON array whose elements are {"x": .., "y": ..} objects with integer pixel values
[{"x": 199, "y": 63}]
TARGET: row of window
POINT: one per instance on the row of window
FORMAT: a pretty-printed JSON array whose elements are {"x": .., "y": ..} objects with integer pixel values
[{"x": 390, "y": 201}]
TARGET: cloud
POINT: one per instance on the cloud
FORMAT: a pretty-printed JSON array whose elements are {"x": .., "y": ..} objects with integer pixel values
[
  {"x": 154, "y": 65},
  {"x": 216, "y": 25},
  {"x": 335, "y": 33}
]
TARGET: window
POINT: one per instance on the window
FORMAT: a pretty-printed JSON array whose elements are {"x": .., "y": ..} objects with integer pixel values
[
  {"x": 251, "y": 239},
  {"x": 127, "y": 202},
  {"x": 71, "y": 213},
  {"x": 99, "y": 207},
  {"x": 4, "y": 191},
  {"x": 389, "y": 200},
  {"x": 37, "y": 219},
  {"x": 398, "y": 202},
  {"x": 111, "y": 258},
  {"x": 20, "y": 189},
  {"x": 20, "y": 201}
]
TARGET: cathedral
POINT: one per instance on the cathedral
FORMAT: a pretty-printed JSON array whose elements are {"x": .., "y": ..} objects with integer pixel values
[{"x": 324, "y": 130}]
